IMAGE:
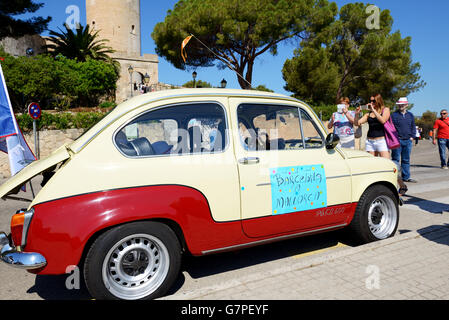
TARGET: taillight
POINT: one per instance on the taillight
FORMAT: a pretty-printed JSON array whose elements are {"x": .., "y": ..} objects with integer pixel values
[{"x": 19, "y": 227}]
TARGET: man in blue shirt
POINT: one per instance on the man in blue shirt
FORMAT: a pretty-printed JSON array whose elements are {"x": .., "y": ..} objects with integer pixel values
[{"x": 404, "y": 121}]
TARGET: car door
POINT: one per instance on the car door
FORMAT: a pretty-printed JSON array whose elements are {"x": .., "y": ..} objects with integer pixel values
[
  {"x": 184, "y": 144},
  {"x": 288, "y": 179}
]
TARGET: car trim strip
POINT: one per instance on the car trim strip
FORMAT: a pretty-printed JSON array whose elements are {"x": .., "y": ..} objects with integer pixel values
[
  {"x": 373, "y": 172},
  {"x": 272, "y": 239}
]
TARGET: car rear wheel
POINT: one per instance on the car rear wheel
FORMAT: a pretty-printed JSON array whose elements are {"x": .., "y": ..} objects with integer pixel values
[
  {"x": 139, "y": 260},
  {"x": 376, "y": 216}
]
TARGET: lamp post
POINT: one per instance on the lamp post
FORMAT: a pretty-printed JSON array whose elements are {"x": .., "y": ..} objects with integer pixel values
[
  {"x": 131, "y": 71},
  {"x": 194, "y": 74},
  {"x": 223, "y": 83},
  {"x": 146, "y": 80}
]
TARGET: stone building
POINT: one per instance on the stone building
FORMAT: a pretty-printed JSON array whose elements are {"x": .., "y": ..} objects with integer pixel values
[{"x": 119, "y": 22}]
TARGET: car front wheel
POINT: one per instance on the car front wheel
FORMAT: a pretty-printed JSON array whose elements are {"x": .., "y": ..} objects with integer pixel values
[
  {"x": 376, "y": 216},
  {"x": 140, "y": 260}
]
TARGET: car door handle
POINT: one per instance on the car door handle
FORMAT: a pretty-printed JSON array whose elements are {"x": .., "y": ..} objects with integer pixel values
[{"x": 250, "y": 160}]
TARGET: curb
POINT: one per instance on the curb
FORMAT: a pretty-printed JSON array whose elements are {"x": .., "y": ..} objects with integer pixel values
[{"x": 307, "y": 262}]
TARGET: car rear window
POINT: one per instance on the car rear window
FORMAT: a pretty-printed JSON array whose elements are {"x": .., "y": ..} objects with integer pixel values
[{"x": 181, "y": 129}]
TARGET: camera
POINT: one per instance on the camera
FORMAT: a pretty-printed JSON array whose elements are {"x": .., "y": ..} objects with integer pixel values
[
  {"x": 340, "y": 108},
  {"x": 365, "y": 107}
]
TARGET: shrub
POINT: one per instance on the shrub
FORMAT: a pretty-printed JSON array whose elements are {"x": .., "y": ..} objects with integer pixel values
[{"x": 60, "y": 121}]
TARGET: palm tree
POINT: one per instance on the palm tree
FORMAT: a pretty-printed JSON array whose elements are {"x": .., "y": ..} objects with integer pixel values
[{"x": 82, "y": 45}]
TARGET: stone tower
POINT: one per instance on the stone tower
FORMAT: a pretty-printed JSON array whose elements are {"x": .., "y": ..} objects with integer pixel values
[{"x": 119, "y": 22}]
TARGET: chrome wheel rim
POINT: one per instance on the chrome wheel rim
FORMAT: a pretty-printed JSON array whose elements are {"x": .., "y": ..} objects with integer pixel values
[
  {"x": 135, "y": 267},
  {"x": 382, "y": 217}
]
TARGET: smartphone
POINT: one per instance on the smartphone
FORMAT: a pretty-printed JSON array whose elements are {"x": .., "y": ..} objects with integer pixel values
[
  {"x": 340, "y": 108},
  {"x": 365, "y": 107}
]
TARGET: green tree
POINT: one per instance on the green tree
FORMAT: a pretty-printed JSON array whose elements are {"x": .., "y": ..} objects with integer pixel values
[
  {"x": 85, "y": 82},
  {"x": 57, "y": 82},
  {"x": 262, "y": 87},
  {"x": 197, "y": 84},
  {"x": 235, "y": 31},
  {"x": 29, "y": 79},
  {"x": 346, "y": 58},
  {"x": 426, "y": 122},
  {"x": 81, "y": 45},
  {"x": 11, "y": 27}
]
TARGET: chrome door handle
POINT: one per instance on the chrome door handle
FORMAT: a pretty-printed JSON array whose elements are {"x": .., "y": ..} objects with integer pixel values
[{"x": 250, "y": 160}]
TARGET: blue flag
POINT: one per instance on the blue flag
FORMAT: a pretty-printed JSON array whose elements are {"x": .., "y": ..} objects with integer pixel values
[{"x": 11, "y": 138}]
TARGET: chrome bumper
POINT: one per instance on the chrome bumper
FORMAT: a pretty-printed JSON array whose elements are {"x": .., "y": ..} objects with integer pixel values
[{"x": 21, "y": 260}]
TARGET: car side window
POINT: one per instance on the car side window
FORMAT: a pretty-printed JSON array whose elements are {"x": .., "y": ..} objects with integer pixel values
[
  {"x": 312, "y": 136},
  {"x": 269, "y": 127},
  {"x": 183, "y": 129}
]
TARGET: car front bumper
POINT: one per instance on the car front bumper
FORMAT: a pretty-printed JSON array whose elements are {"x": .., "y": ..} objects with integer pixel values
[{"x": 17, "y": 259}]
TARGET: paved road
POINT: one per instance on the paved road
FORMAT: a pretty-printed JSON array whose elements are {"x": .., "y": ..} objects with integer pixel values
[{"x": 412, "y": 265}]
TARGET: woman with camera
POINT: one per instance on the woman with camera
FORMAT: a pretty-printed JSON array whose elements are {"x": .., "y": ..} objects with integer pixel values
[
  {"x": 342, "y": 121},
  {"x": 377, "y": 116}
]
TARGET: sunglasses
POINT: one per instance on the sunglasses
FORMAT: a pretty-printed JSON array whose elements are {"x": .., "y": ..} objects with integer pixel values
[{"x": 443, "y": 113}]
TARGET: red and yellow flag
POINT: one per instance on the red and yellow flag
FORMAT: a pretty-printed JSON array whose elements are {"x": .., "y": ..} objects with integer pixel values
[{"x": 183, "y": 46}]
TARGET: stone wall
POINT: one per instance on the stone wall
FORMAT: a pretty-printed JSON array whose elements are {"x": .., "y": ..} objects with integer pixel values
[{"x": 48, "y": 141}]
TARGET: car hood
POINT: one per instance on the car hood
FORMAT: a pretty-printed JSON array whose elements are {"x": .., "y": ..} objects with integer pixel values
[
  {"x": 352, "y": 154},
  {"x": 13, "y": 185}
]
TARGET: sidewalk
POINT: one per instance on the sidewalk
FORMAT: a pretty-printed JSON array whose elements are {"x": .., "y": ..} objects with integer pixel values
[{"x": 412, "y": 265}]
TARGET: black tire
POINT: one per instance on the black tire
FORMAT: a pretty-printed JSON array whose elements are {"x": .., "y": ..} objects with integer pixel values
[
  {"x": 376, "y": 216},
  {"x": 139, "y": 260}
]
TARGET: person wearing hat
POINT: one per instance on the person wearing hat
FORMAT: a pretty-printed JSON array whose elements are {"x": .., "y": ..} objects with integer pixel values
[{"x": 404, "y": 121}]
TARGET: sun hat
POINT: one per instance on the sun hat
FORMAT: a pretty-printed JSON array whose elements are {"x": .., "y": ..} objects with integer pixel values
[{"x": 402, "y": 101}]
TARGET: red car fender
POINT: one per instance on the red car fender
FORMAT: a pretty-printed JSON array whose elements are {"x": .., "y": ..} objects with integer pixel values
[{"x": 60, "y": 229}]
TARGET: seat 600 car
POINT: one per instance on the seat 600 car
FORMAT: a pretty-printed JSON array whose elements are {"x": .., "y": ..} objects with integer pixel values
[{"x": 192, "y": 171}]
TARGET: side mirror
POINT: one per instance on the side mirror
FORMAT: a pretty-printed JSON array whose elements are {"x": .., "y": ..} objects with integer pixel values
[{"x": 332, "y": 141}]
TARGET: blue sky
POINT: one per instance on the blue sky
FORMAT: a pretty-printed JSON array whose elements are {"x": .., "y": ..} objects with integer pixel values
[{"x": 425, "y": 21}]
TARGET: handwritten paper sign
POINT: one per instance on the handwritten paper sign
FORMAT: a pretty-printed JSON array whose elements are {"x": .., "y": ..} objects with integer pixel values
[{"x": 298, "y": 188}]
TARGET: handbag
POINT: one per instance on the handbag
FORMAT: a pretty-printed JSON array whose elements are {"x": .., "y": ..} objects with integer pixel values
[
  {"x": 358, "y": 132},
  {"x": 391, "y": 135}
]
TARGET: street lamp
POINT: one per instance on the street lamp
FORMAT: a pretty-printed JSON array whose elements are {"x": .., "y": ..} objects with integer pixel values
[
  {"x": 146, "y": 78},
  {"x": 194, "y": 74},
  {"x": 131, "y": 71},
  {"x": 223, "y": 83}
]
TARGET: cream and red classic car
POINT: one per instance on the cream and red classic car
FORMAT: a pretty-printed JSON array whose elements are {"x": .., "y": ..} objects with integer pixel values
[{"x": 192, "y": 171}]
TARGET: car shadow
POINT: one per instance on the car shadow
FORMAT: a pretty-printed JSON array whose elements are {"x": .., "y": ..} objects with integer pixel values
[
  {"x": 436, "y": 233},
  {"x": 427, "y": 205},
  {"x": 204, "y": 266},
  {"x": 51, "y": 287}
]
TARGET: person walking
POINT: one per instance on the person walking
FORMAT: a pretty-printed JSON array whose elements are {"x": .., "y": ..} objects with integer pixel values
[
  {"x": 441, "y": 131},
  {"x": 342, "y": 121},
  {"x": 404, "y": 122},
  {"x": 418, "y": 135},
  {"x": 375, "y": 142}
]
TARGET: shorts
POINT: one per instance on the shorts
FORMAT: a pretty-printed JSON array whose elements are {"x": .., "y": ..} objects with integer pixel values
[
  {"x": 379, "y": 145},
  {"x": 348, "y": 143}
]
